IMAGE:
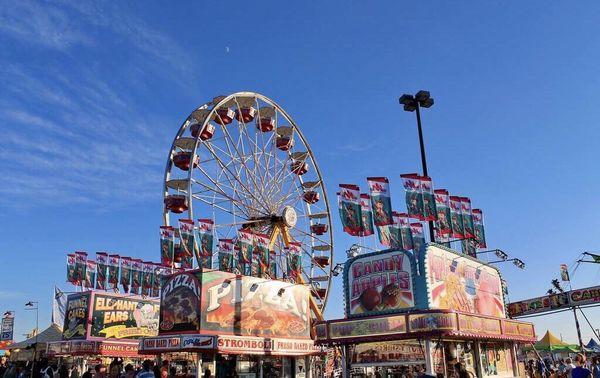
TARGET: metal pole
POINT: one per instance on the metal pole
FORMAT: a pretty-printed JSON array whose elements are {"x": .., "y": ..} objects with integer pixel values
[
  {"x": 423, "y": 160},
  {"x": 577, "y": 326}
]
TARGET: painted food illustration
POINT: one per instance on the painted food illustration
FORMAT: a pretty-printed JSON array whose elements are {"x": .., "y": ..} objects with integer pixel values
[{"x": 390, "y": 297}]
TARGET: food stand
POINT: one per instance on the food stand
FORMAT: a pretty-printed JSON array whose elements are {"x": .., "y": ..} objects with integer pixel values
[
  {"x": 429, "y": 311},
  {"x": 235, "y": 324},
  {"x": 101, "y": 326}
]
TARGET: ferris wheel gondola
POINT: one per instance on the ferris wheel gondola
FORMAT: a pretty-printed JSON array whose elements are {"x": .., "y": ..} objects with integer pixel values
[{"x": 241, "y": 161}]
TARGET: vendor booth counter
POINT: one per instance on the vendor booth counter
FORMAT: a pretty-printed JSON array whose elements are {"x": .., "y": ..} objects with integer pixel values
[
  {"x": 429, "y": 311},
  {"x": 235, "y": 325},
  {"x": 101, "y": 326}
]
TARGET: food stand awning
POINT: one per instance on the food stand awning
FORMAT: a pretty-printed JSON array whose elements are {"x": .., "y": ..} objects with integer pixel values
[
  {"x": 50, "y": 334},
  {"x": 421, "y": 324},
  {"x": 551, "y": 343}
]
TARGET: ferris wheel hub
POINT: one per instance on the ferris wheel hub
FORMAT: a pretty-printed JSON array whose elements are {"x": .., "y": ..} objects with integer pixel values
[{"x": 289, "y": 216}]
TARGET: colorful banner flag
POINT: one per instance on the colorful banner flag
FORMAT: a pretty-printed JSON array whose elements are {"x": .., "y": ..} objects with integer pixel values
[
  {"x": 429, "y": 209},
  {"x": 381, "y": 203},
  {"x": 167, "y": 245},
  {"x": 294, "y": 261},
  {"x": 456, "y": 221},
  {"x": 59, "y": 306},
  {"x": 468, "y": 247},
  {"x": 245, "y": 241},
  {"x": 405, "y": 234},
  {"x": 395, "y": 235},
  {"x": 158, "y": 273},
  {"x": 101, "y": 269},
  {"x": 71, "y": 269},
  {"x": 440, "y": 237},
  {"x": 385, "y": 234},
  {"x": 125, "y": 277},
  {"x": 188, "y": 241},
  {"x": 414, "y": 195},
  {"x": 262, "y": 250},
  {"x": 479, "y": 228},
  {"x": 351, "y": 218},
  {"x": 418, "y": 236},
  {"x": 90, "y": 274},
  {"x": 113, "y": 272},
  {"x": 272, "y": 265},
  {"x": 564, "y": 272},
  {"x": 136, "y": 276},
  {"x": 366, "y": 214},
  {"x": 442, "y": 203},
  {"x": 205, "y": 232},
  {"x": 467, "y": 217},
  {"x": 226, "y": 255},
  {"x": 147, "y": 277},
  {"x": 80, "y": 266}
]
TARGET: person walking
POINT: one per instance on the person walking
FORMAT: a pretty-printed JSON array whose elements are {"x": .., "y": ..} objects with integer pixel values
[
  {"x": 580, "y": 371},
  {"x": 146, "y": 371},
  {"x": 596, "y": 367}
]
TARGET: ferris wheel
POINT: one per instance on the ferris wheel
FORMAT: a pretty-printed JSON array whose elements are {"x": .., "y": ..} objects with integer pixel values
[{"x": 241, "y": 161}]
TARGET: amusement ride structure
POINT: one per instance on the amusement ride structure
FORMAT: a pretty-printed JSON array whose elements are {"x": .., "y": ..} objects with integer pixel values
[{"x": 242, "y": 162}]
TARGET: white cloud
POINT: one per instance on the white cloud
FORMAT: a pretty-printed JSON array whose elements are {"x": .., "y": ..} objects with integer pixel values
[{"x": 41, "y": 24}]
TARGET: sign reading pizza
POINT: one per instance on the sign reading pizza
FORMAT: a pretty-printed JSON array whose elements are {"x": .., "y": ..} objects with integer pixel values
[
  {"x": 180, "y": 303},
  {"x": 249, "y": 306},
  {"x": 120, "y": 317},
  {"x": 76, "y": 316},
  {"x": 457, "y": 282},
  {"x": 378, "y": 283}
]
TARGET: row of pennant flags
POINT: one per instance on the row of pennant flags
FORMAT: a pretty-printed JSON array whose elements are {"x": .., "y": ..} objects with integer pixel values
[
  {"x": 364, "y": 214},
  {"x": 248, "y": 253},
  {"x": 108, "y": 272}
]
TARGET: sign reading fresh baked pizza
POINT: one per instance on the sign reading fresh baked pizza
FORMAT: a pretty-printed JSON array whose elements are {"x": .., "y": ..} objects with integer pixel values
[
  {"x": 379, "y": 283},
  {"x": 76, "y": 316},
  {"x": 388, "y": 353},
  {"x": 249, "y": 306},
  {"x": 457, "y": 282},
  {"x": 120, "y": 317},
  {"x": 180, "y": 303}
]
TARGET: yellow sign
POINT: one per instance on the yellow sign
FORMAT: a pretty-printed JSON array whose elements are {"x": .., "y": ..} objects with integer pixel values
[{"x": 122, "y": 331}]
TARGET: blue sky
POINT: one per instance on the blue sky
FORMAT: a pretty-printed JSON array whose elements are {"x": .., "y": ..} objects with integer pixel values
[{"x": 93, "y": 93}]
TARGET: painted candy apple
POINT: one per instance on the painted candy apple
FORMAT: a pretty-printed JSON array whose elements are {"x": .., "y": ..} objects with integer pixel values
[{"x": 370, "y": 298}]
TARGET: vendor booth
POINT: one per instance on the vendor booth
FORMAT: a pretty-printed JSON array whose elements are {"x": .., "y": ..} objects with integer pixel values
[
  {"x": 405, "y": 313},
  {"x": 233, "y": 324},
  {"x": 101, "y": 326}
]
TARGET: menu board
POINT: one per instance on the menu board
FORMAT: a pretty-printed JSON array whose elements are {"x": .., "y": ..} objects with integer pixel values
[
  {"x": 123, "y": 317},
  {"x": 388, "y": 353},
  {"x": 180, "y": 303},
  {"x": 76, "y": 316},
  {"x": 379, "y": 283},
  {"x": 456, "y": 282},
  {"x": 249, "y": 306}
]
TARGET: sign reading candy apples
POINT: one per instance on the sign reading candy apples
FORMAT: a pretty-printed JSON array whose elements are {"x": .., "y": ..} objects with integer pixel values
[{"x": 379, "y": 283}]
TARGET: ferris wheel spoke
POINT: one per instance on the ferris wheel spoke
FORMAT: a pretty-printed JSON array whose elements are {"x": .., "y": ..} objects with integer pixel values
[
  {"x": 257, "y": 188},
  {"x": 237, "y": 202},
  {"x": 215, "y": 205},
  {"x": 236, "y": 177}
]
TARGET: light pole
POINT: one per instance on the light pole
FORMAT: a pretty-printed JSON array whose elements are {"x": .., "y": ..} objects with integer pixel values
[
  {"x": 421, "y": 99},
  {"x": 33, "y": 305},
  {"x": 516, "y": 262}
]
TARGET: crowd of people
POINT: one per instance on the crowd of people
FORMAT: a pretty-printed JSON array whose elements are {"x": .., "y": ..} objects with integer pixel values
[
  {"x": 116, "y": 369},
  {"x": 579, "y": 367}
]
